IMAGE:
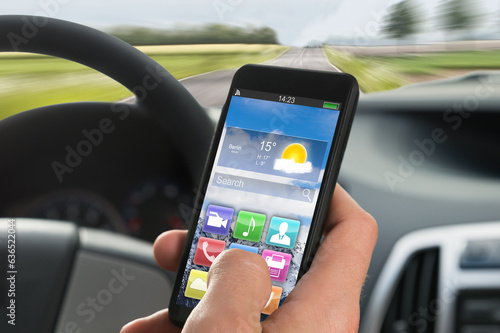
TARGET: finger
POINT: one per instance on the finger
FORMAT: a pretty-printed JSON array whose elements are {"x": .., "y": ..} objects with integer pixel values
[
  {"x": 238, "y": 289},
  {"x": 158, "y": 322},
  {"x": 345, "y": 253},
  {"x": 337, "y": 272},
  {"x": 342, "y": 208},
  {"x": 168, "y": 249}
]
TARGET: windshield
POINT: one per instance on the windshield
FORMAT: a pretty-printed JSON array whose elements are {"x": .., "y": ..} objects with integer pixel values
[{"x": 385, "y": 44}]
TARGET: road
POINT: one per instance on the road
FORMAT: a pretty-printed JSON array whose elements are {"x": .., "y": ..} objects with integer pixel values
[{"x": 210, "y": 89}]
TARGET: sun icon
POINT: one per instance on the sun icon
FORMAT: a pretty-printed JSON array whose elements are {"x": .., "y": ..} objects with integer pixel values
[
  {"x": 293, "y": 160},
  {"x": 295, "y": 152}
]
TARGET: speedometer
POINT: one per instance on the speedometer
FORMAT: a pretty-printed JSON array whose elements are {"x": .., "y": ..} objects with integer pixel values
[{"x": 81, "y": 207}]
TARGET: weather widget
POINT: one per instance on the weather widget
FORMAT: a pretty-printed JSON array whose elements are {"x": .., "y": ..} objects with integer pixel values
[{"x": 273, "y": 154}]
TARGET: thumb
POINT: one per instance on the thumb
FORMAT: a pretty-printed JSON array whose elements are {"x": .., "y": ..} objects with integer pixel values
[{"x": 239, "y": 286}]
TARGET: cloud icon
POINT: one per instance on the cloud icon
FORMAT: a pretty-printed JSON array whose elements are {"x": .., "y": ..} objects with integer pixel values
[
  {"x": 199, "y": 284},
  {"x": 290, "y": 166}
]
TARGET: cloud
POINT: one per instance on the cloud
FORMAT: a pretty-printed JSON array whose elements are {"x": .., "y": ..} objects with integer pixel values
[
  {"x": 199, "y": 284},
  {"x": 290, "y": 166}
]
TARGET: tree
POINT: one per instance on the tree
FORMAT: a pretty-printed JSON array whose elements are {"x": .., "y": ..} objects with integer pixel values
[
  {"x": 402, "y": 20},
  {"x": 206, "y": 34},
  {"x": 457, "y": 15}
]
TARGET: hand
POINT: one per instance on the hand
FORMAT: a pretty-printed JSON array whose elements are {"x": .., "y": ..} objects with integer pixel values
[{"x": 326, "y": 299}]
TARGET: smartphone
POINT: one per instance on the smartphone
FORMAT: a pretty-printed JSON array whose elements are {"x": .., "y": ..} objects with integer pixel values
[{"x": 269, "y": 177}]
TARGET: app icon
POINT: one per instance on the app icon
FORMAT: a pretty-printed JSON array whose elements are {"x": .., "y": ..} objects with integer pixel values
[
  {"x": 282, "y": 232},
  {"x": 249, "y": 226},
  {"x": 197, "y": 284},
  {"x": 207, "y": 250},
  {"x": 274, "y": 300},
  {"x": 244, "y": 247},
  {"x": 218, "y": 219},
  {"x": 278, "y": 264}
]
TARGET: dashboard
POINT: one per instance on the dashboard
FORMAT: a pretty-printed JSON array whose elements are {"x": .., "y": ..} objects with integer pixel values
[
  {"x": 131, "y": 184},
  {"x": 423, "y": 160}
]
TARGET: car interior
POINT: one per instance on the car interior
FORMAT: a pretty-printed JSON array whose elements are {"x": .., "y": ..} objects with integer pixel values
[{"x": 92, "y": 184}]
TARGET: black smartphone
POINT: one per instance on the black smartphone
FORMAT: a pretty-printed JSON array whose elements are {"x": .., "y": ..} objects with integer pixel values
[{"x": 269, "y": 177}]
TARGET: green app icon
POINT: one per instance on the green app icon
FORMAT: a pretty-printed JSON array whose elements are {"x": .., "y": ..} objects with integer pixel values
[{"x": 249, "y": 226}]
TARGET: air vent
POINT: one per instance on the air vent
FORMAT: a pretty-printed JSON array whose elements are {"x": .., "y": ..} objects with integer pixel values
[
  {"x": 414, "y": 304},
  {"x": 478, "y": 311}
]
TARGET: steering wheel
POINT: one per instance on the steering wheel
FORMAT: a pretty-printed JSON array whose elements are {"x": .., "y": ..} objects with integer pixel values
[
  {"x": 157, "y": 92},
  {"x": 53, "y": 258}
]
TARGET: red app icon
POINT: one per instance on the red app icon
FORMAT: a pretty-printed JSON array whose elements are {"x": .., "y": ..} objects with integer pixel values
[{"x": 207, "y": 250}]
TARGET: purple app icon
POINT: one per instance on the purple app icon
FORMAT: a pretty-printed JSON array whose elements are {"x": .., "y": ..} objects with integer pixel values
[
  {"x": 218, "y": 219},
  {"x": 278, "y": 264}
]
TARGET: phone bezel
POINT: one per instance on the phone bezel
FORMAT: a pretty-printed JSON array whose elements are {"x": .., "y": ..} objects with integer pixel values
[{"x": 328, "y": 86}]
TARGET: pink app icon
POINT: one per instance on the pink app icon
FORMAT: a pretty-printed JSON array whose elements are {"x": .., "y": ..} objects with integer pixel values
[{"x": 278, "y": 264}]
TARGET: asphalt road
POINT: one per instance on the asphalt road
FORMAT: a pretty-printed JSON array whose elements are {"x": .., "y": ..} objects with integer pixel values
[{"x": 210, "y": 89}]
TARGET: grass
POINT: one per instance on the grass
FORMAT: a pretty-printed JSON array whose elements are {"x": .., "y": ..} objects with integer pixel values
[
  {"x": 430, "y": 63},
  {"x": 370, "y": 75},
  {"x": 28, "y": 81},
  {"x": 377, "y": 73}
]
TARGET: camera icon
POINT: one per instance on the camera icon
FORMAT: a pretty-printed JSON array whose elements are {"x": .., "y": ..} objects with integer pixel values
[
  {"x": 218, "y": 219},
  {"x": 214, "y": 220}
]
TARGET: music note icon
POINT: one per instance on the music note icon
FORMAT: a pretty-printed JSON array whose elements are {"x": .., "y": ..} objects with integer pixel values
[
  {"x": 252, "y": 224},
  {"x": 249, "y": 226}
]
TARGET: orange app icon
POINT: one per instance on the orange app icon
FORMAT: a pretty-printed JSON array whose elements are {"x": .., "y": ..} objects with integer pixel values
[{"x": 274, "y": 301}]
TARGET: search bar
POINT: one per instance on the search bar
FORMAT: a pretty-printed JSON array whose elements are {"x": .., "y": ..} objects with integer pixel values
[{"x": 264, "y": 187}]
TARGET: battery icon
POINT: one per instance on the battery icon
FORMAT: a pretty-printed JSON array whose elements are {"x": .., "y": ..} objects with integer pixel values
[{"x": 329, "y": 105}]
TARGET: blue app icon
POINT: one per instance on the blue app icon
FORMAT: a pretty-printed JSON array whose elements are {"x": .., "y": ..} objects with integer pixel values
[
  {"x": 282, "y": 232},
  {"x": 244, "y": 247}
]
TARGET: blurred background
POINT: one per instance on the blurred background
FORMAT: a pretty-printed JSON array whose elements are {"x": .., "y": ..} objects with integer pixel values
[{"x": 385, "y": 44}]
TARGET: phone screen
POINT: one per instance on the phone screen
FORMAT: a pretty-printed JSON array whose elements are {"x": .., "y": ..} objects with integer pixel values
[{"x": 263, "y": 188}]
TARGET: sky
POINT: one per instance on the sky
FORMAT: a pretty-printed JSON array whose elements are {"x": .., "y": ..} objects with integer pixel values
[
  {"x": 291, "y": 119},
  {"x": 297, "y": 22}
]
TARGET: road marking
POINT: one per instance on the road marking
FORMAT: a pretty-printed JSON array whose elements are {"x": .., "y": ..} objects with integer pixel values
[
  {"x": 335, "y": 67},
  {"x": 201, "y": 74},
  {"x": 279, "y": 55},
  {"x": 228, "y": 69}
]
